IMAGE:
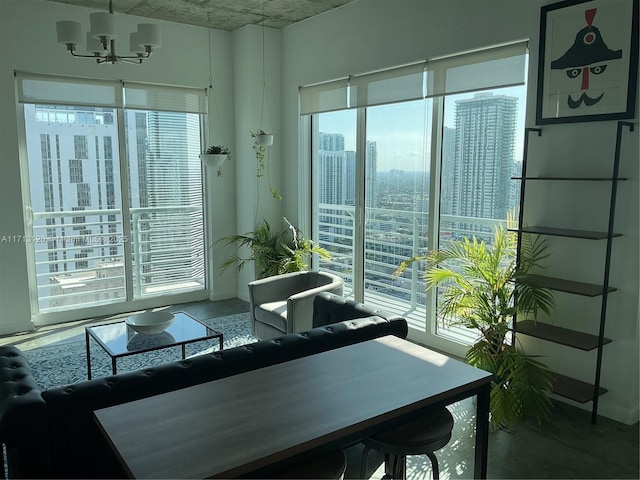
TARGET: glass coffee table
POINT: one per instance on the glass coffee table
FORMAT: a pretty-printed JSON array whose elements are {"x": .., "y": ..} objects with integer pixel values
[{"x": 119, "y": 340}]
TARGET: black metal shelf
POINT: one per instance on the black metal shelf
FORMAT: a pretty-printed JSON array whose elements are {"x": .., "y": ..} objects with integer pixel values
[
  {"x": 562, "y": 336},
  {"x": 566, "y": 232},
  {"x": 565, "y": 386},
  {"x": 570, "y": 286},
  {"x": 576, "y": 390}
]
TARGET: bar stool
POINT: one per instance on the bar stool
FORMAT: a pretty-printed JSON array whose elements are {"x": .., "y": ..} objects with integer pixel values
[
  {"x": 422, "y": 435},
  {"x": 330, "y": 466}
]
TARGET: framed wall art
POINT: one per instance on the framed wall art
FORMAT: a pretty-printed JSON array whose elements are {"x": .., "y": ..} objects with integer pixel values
[{"x": 588, "y": 61}]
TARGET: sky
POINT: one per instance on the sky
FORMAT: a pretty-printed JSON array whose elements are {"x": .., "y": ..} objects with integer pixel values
[{"x": 398, "y": 128}]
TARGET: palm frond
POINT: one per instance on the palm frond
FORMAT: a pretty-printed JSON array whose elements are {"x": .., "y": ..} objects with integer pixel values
[{"x": 483, "y": 286}]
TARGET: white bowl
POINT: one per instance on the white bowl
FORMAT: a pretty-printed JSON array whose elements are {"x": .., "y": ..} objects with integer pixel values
[{"x": 150, "y": 323}]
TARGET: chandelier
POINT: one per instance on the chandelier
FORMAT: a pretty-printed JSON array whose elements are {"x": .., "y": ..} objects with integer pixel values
[{"x": 101, "y": 44}]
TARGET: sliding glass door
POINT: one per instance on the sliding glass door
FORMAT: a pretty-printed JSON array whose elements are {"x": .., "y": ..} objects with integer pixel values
[{"x": 115, "y": 193}]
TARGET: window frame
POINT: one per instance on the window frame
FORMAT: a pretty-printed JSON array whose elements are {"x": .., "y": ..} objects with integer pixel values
[{"x": 128, "y": 303}]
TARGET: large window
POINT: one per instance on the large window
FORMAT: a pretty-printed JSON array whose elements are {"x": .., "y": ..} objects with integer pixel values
[
  {"x": 115, "y": 191},
  {"x": 406, "y": 159}
]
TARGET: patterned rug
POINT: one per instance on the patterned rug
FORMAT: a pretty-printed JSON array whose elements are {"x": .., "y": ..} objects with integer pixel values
[{"x": 66, "y": 363}]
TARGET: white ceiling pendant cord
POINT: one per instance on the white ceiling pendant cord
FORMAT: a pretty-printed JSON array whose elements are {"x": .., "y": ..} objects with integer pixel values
[
  {"x": 213, "y": 96},
  {"x": 101, "y": 43},
  {"x": 265, "y": 99}
]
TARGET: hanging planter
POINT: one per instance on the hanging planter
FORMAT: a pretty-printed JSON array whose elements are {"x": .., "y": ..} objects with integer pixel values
[
  {"x": 263, "y": 139},
  {"x": 215, "y": 155}
]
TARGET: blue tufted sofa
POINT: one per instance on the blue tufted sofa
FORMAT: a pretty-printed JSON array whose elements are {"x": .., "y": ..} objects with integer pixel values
[{"x": 52, "y": 434}]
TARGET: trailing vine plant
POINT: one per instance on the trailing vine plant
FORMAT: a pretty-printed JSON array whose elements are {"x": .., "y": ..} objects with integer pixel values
[{"x": 262, "y": 165}]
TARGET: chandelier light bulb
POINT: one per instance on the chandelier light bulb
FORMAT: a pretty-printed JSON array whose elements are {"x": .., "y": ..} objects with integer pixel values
[
  {"x": 134, "y": 43},
  {"x": 93, "y": 45},
  {"x": 149, "y": 35},
  {"x": 102, "y": 25},
  {"x": 69, "y": 33}
]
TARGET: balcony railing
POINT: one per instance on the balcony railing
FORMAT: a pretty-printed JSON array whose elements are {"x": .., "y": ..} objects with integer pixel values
[
  {"x": 392, "y": 236},
  {"x": 80, "y": 255}
]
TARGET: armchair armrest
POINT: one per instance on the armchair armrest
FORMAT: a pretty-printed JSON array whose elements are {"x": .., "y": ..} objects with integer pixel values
[
  {"x": 300, "y": 307},
  {"x": 273, "y": 289}
]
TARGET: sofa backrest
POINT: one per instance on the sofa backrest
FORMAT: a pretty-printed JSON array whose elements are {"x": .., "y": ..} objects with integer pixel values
[
  {"x": 329, "y": 308},
  {"x": 78, "y": 449}
]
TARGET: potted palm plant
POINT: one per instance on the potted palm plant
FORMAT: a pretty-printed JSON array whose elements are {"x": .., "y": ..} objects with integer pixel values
[
  {"x": 273, "y": 251},
  {"x": 483, "y": 287},
  {"x": 215, "y": 155}
]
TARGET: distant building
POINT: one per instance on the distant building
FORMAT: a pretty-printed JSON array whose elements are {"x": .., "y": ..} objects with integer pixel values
[
  {"x": 337, "y": 171},
  {"x": 481, "y": 166}
]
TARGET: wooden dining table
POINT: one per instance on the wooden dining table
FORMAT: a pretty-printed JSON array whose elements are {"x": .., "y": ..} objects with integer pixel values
[{"x": 250, "y": 421}]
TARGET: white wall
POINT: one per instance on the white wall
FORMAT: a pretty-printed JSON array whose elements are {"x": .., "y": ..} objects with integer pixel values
[
  {"x": 372, "y": 34},
  {"x": 254, "y": 201}
]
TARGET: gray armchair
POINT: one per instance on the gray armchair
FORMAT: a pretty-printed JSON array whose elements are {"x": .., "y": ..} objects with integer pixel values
[{"x": 283, "y": 304}]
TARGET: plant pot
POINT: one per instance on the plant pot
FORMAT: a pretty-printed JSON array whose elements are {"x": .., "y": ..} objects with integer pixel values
[
  {"x": 213, "y": 160},
  {"x": 264, "y": 139}
]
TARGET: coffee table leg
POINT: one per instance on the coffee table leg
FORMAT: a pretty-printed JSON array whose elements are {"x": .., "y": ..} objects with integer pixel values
[
  {"x": 113, "y": 365},
  {"x": 221, "y": 342},
  {"x": 86, "y": 336},
  {"x": 184, "y": 351}
]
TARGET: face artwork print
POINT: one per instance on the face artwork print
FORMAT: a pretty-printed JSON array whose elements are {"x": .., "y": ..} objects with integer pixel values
[{"x": 585, "y": 58}]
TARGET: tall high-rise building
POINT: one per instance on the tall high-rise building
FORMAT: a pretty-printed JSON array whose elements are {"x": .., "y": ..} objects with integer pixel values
[
  {"x": 481, "y": 166},
  {"x": 332, "y": 169},
  {"x": 337, "y": 171}
]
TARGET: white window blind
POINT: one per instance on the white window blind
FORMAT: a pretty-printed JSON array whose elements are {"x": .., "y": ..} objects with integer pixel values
[
  {"x": 480, "y": 70},
  {"x": 52, "y": 90},
  {"x": 494, "y": 67},
  {"x": 387, "y": 86},
  {"x": 162, "y": 98},
  {"x": 324, "y": 97}
]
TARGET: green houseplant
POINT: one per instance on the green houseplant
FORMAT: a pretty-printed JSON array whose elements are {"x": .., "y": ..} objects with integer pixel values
[
  {"x": 273, "y": 251},
  {"x": 215, "y": 155},
  {"x": 261, "y": 141},
  {"x": 484, "y": 287}
]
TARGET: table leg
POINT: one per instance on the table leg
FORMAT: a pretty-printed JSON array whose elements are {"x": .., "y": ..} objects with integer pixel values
[
  {"x": 113, "y": 365},
  {"x": 221, "y": 342},
  {"x": 86, "y": 336},
  {"x": 482, "y": 432},
  {"x": 184, "y": 351}
]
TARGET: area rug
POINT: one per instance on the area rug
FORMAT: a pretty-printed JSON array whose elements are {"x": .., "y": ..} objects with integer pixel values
[{"x": 66, "y": 363}]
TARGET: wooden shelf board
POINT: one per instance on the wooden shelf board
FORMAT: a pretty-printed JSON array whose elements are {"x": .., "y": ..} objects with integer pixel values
[
  {"x": 581, "y": 179},
  {"x": 573, "y": 389},
  {"x": 570, "y": 286},
  {"x": 562, "y": 336},
  {"x": 567, "y": 232}
]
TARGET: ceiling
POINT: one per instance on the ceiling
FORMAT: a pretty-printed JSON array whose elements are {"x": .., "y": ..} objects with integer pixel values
[{"x": 219, "y": 14}]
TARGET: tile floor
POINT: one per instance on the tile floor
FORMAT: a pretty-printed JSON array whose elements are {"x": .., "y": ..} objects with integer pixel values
[{"x": 567, "y": 446}]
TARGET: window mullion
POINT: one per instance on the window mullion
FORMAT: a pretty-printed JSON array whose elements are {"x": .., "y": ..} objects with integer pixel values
[
  {"x": 437, "y": 127},
  {"x": 359, "y": 221},
  {"x": 126, "y": 214}
]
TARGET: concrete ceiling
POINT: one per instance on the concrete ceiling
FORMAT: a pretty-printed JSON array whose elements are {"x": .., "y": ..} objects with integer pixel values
[{"x": 219, "y": 14}]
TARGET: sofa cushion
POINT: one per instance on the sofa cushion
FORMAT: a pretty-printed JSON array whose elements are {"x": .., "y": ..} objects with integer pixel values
[{"x": 273, "y": 314}]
